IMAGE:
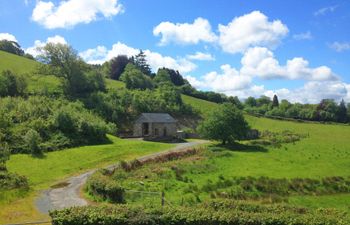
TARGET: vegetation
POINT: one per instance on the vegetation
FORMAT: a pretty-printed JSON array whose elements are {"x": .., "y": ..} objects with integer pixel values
[
  {"x": 216, "y": 212},
  {"x": 226, "y": 123}
]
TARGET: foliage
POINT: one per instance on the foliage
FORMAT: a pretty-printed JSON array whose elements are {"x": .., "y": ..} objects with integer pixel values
[
  {"x": 11, "y": 84},
  {"x": 134, "y": 78},
  {"x": 99, "y": 186},
  {"x": 40, "y": 123},
  {"x": 11, "y": 47},
  {"x": 226, "y": 123},
  {"x": 327, "y": 110},
  {"x": 65, "y": 63},
  {"x": 276, "y": 139},
  {"x": 216, "y": 212},
  {"x": 162, "y": 77},
  {"x": 117, "y": 65},
  {"x": 141, "y": 63}
]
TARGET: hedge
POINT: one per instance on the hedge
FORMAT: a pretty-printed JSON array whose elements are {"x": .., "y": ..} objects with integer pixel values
[{"x": 213, "y": 213}]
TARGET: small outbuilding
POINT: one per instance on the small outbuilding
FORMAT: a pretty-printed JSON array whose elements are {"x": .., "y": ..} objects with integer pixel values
[{"x": 155, "y": 125}]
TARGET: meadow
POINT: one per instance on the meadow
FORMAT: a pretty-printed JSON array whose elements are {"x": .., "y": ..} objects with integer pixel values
[{"x": 55, "y": 166}]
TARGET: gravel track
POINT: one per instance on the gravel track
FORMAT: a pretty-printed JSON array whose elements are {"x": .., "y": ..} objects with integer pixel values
[{"x": 68, "y": 194}]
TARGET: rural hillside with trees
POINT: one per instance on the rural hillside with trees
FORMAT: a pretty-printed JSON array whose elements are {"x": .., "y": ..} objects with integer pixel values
[{"x": 131, "y": 136}]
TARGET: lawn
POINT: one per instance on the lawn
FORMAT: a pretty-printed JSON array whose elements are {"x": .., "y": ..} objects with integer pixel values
[
  {"x": 55, "y": 166},
  {"x": 325, "y": 152}
]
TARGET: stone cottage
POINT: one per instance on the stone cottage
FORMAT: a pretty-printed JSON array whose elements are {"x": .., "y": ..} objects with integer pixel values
[{"x": 155, "y": 125}]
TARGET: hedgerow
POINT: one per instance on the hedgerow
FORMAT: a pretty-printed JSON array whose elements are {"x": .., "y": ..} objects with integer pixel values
[{"x": 212, "y": 213}]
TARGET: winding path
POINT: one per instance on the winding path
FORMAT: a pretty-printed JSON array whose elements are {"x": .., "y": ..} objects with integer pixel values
[{"x": 69, "y": 194}]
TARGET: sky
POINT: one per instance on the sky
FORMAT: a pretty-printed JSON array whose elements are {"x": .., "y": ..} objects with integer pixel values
[{"x": 299, "y": 50}]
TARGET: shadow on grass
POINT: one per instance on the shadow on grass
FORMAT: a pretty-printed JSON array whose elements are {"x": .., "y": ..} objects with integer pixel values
[
  {"x": 166, "y": 140},
  {"x": 239, "y": 147}
]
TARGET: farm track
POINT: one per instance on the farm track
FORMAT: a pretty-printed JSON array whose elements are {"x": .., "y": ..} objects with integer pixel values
[{"x": 67, "y": 193}]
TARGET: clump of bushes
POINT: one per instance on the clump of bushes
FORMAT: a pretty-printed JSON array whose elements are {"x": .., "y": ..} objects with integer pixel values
[
  {"x": 100, "y": 186},
  {"x": 276, "y": 139},
  {"x": 40, "y": 123},
  {"x": 216, "y": 212}
]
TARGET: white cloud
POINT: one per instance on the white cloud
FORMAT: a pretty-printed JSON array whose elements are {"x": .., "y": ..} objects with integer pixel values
[
  {"x": 303, "y": 36},
  {"x": 155, "y": 60},
  {"x": 201, "y": 56},
  {"x": 185, "y": 33},
  {"x": 34, "y": 50},
  {"x": 229, "y": 80},
  {"x": 325, "y": 10},
  {"x": 251, "y": 30},
  {"x": 340, "y": 46},
  {"x": 72, "y": 12},
  {"x": 260, "y": 62},
  {"x": 7, "y": 36}
]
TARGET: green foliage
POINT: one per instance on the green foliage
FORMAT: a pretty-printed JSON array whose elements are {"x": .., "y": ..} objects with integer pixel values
[
  {"x": 215, "y": 212},
  {"x": 141, "y": 63},
  {"x": 226, "y": 123},
  {"x": 135, "y": 79},
  {"x": 11, "y": 47},
  {"x": 116, "y": 66},
  {"x": 11, "y": 84},
  {"x": 276, "y": 139},
  {"x": 99, "y": 186},
  {"x": 41, "y": 123},
  {"x": 162, "y": 77}
]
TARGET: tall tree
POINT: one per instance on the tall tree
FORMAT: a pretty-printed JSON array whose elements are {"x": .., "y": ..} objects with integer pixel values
[
  {"x": 117, "y": 66},
  {"x": 226, "y": 124},
  {"x": 275, "y": 102},
  {"x": 141, "y": 63},
  {"x": 162, "y": 76},
  {"x": 251, "y": 101},
  {"x": 342, "y": 112}
]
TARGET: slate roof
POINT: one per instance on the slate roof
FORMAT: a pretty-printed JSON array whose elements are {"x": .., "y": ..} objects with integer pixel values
[{"x": 155, "y": 118}]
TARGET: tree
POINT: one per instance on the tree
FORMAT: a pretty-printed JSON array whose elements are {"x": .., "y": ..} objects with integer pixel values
[
  {"x": 263, "y": 100},
  {"x": 162, "y": 76},
  {"x": 11, "y": 47},
  {"x": 11, "y": 84},
  {"x": 117, "y": 66},
  {"x": 135, "y": 79},
  {"x": 235, "y": 101},
  {"x": 342, "y": 112},
  {"x": 141, "y": 63},
  {"x": 226, "y": 124},
  {"x": 275, "y": 102},
  {"x": 175, "y": 77},
  {"x": 251, "y": 101},
  {"x": 327, "y": 110},
  {"x": 32, "y": 140},
  {"x": 65, "y": 63}
]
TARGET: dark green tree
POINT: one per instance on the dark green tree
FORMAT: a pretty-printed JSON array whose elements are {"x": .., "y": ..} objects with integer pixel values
[
  {"x": 251, "y": 101},
  {"x": 342, "y": 112},
  {"x": 235, "y": 101},
  {"x": 4, "y": 155},
  {"x": 141, "y": 63},
  {"x": 226, "y": 124},
  {"x": 11, "y": 84},
  {"x": 117, "y": 66},
  {"x": 11, "y": 47},
  {"x": 162, "y": 76},
  {"x": 135, "y": 79},
  {"x": 275, "y": 102}
]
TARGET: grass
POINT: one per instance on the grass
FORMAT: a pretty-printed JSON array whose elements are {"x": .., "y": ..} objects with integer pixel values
[
  {"x": 55, "y": 166},
  {"x": 16, "y": 63},
  {"x": 203, "y": 106}
]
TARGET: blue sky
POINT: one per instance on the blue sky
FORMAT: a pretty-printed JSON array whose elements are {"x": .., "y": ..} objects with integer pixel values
[{"x": 299, "y": 50}]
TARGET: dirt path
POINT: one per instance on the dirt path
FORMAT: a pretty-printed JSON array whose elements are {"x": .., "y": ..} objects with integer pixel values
[{"x": 68, "y": 194}]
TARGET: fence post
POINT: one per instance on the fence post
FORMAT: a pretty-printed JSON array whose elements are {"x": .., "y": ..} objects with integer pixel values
[{"x": 163, "y": 198}]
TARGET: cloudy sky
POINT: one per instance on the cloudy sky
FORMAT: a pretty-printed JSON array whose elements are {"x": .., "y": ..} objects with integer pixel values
[{"x": 299, "y": 50}]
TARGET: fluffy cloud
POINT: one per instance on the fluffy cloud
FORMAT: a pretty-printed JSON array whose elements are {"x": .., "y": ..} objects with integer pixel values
[
  {"x": 229, "y": 80},
  {"x": 72, "y": 12},
  {"x": 340, "y": 46},
  {"x": 185, "y": 33},
  {"x": 201, "y": 56},
  {"x": 251, "y": 30},
  {"x": 7, "y": 36},
  {"x": 303, "y": 36},
  {"x": 156, "y": 60},
  {"x": 34, "y": 50},
  {"x": 259, "y": 61}
]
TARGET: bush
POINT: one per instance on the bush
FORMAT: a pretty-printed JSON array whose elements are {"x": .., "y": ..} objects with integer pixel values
[{"x": 212, "y": 213}]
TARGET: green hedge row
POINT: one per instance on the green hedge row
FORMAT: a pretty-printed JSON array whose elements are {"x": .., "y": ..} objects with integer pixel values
[{"x": 214, "y": 213}]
